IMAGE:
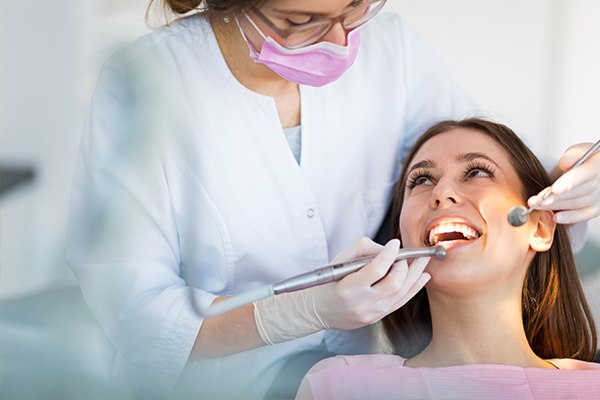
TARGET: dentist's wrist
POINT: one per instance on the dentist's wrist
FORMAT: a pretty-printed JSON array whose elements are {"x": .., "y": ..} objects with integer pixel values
[{"x": 287, "y": 316}]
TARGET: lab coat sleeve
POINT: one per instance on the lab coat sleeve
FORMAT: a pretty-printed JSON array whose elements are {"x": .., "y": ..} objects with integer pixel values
[{"x": 123, "y": 242}]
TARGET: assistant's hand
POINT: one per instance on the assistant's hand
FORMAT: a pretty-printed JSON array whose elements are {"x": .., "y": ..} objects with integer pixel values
[
  {"x": 368, "y": 295},
  {"x": 359, "y": 299},
  {"x": 576, "y": 194}
]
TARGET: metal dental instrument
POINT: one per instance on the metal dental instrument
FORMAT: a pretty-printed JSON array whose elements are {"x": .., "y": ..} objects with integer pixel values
[
  {"x": 518, "y": 215},
  {"x": 317, "y": 277}
]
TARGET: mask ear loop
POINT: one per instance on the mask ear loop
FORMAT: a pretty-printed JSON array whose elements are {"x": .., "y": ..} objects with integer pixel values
[
  {"x": 237, "y": 21},
  {"x": 254, "y": 54}
]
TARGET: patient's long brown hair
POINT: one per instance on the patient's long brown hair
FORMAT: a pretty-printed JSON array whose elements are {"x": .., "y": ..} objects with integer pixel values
[{"x": 556, "y": 316}]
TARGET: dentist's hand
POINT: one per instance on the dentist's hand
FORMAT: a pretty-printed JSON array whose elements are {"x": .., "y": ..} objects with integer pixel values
[
  {"x": 359, "y": 299},
  {"x": 576, "y": 194},
  {"x": 368, "y": 295}
]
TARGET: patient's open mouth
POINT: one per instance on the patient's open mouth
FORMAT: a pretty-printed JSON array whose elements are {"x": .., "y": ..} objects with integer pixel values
[{"x": 451, "y": 232}]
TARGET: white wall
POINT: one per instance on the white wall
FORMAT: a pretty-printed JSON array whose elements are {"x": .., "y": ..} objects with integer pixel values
[
  {"x": 531, "y": 64},
  {"x": 576, "y": 99},
  {"x": 38, "y": 127},
  {"x": 497, "y": 50},
  {"x": 50, "y": 52}
]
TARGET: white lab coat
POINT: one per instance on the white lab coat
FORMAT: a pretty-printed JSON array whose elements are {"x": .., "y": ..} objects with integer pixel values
[{"x": 186, "y": 183}]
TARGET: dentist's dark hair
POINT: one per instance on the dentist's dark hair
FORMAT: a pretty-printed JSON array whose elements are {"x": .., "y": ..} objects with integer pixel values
[{"x": 557, "y": 319}]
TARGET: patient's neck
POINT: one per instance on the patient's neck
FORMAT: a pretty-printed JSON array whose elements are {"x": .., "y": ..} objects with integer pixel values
[{"x": 476, "y": 331}]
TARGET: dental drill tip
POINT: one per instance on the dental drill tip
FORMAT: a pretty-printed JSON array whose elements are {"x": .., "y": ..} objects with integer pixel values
[
  {"x": 517, "y": 216},
  {"x": 440, "y": 253}
]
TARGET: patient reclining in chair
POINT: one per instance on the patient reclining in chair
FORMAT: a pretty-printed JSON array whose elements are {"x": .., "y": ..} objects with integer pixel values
[{"x": 504, "y": 315}]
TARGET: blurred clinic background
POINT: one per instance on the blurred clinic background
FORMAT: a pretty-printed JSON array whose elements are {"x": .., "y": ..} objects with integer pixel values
[{"x": 531, "y": 64}]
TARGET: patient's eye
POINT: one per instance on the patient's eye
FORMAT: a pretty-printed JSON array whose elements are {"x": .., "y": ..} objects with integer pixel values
[
  {"x": 419, "y": 178},
  {"x": 478, "y": 170}
]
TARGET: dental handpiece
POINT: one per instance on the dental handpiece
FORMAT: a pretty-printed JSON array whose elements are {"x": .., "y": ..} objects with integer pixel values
[
  {"x": 320, "y": 276},
  {"x": 335, "y": 272},
  {"x": 518, "y": 215}
]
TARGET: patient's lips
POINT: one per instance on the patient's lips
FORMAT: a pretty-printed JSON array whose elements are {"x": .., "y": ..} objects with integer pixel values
[{"x": 450, "y": 233}]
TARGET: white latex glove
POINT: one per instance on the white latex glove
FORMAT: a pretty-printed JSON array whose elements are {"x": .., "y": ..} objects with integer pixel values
[
  {"x": 576, "y": 194},
  {"x": 359, "y": 299},
  {"x": 374, "y": 291}
]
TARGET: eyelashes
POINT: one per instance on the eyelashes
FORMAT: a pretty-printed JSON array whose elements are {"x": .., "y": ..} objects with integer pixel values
[
  {"x": 472, "y": 170},
  {"x": 418, "y": 177},
  {"x": 490, "y": 171},
  {"x": 291, "y": 23}
]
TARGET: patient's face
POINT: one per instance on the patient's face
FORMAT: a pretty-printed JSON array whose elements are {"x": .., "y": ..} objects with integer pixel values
[{"x": 459, "y": 191}]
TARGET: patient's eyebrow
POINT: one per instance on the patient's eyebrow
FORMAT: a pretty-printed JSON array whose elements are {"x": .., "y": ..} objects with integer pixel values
[
  {"x": 466, "y": 157},
  {"x": 422, "y": 164}
]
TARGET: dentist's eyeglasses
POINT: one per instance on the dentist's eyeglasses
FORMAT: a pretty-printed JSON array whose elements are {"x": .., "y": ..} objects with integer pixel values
[{"x": 311, "y": 32}]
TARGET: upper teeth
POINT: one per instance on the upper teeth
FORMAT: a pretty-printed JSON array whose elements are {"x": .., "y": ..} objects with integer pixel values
[{"x": 465, "y": 230}]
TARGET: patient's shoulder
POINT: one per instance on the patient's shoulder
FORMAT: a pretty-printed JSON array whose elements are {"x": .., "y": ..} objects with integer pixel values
[
  {"x": 381, "y": 360},
  {"x": 575, "y": 365},
  {"x": 310, "y": 389}
]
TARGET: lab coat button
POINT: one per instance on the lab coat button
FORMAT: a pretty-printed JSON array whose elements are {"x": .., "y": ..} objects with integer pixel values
[{"x": 310, "y": 213}]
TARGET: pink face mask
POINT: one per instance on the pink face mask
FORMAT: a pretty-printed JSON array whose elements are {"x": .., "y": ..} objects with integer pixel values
[{"x": 315, "y": 65}]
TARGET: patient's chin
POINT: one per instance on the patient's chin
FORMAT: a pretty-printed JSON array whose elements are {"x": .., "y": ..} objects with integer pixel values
[{"x": 457, "y": 276}]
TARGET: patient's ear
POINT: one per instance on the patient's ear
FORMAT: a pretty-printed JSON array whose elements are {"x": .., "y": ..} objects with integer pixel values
[{"x": 543, "y": 230}]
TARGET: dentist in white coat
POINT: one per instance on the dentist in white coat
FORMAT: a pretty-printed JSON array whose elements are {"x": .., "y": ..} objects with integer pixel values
[{"x": 239, "y": 146}]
